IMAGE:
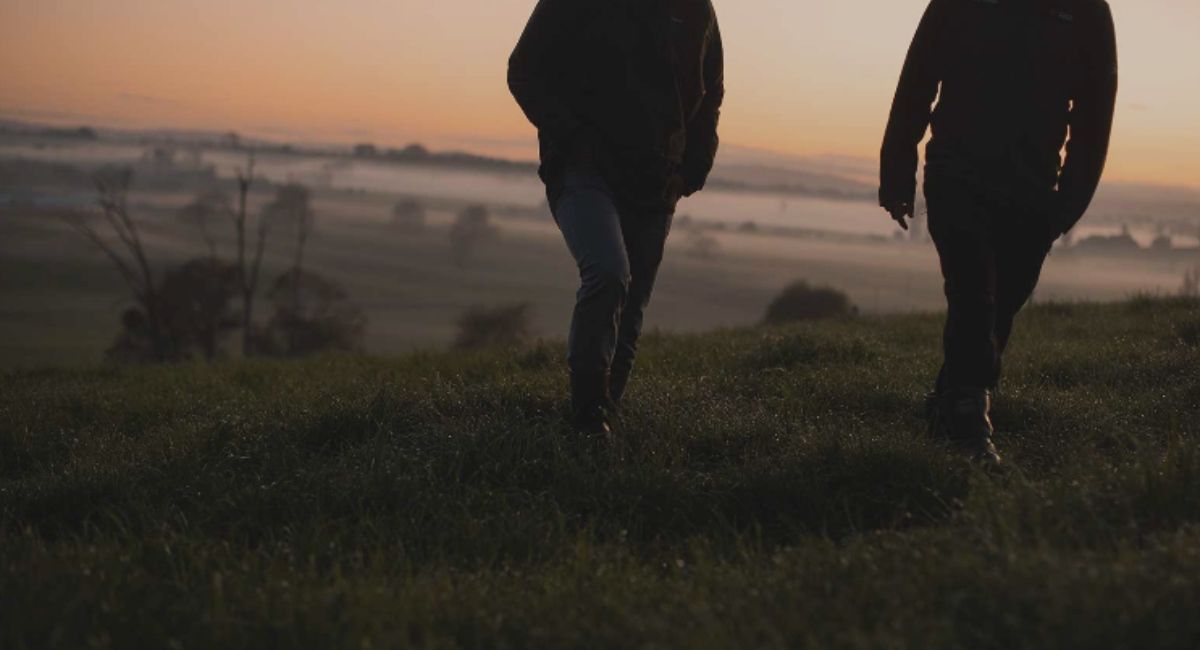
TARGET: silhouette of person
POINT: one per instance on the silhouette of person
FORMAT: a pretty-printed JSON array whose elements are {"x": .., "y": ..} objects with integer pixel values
[
  {"x": 625, "y": 95},
  {"x": 1011, "y": 79}
]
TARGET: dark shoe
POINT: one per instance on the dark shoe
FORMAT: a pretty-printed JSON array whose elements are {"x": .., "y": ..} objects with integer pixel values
[
  {"x": 590, "y": 404},
  {"x": 963, "y": 418}
]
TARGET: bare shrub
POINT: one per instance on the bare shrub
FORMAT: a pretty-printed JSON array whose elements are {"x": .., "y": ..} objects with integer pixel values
[
  {"x": 801, "y": 301},
  {"x": 500, "y": 326}
]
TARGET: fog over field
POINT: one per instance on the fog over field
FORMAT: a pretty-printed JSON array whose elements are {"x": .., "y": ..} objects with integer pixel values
[{"x": 767, "y": 221}]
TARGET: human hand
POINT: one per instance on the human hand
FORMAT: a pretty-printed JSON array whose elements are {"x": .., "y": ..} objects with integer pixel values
[
  {"x": 900, "y": 212},
  {"x": 677, "y": 187}
]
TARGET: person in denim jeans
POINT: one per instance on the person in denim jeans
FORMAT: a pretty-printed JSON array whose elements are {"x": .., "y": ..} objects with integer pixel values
[
  {"x": 618, "y": 253},
  {"x": 626, "y": 96}
]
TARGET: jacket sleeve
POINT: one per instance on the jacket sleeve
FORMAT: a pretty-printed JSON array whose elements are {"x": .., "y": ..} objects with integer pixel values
[
  {"x": 703, "y": 141},
  {"x": 1091, "y": 121},
  {"x": 531, "y": 68},
  {"x": 911, "y": 109}
]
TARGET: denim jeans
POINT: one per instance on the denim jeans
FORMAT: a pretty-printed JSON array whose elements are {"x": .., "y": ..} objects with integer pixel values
[
  {"x": 618, "y": 252},
  {"x": 991, "y": 256}
]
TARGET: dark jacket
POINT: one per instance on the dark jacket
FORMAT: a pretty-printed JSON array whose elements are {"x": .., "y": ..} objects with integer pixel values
[
  {"x": 641, "y": 79},
  {"x": 1014, "y": 77}
]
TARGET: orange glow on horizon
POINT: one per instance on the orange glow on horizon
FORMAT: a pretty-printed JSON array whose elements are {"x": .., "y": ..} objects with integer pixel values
[{"x": 804, "y": 77}]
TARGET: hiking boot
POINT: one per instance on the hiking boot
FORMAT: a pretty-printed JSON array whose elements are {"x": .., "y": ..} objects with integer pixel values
[
  {"x": 962, "y": 418},
  {"x": 591, "y": 407}
]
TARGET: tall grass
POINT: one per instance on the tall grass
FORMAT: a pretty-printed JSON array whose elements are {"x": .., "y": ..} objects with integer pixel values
[{"x": 770, "y": 488}]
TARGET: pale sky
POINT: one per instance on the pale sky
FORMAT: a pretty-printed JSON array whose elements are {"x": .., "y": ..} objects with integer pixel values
[{"x": 804, "y": 77}]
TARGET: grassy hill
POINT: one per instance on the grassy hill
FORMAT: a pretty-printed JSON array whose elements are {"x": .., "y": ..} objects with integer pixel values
[{"x": 773, "y": 488}]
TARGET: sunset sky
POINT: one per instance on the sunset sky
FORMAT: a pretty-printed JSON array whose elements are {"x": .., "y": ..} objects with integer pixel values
[{"x": 804, "y": 76}]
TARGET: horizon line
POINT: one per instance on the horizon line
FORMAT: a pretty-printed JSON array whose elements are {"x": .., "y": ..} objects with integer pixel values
[{"x": 26, "y": 117}]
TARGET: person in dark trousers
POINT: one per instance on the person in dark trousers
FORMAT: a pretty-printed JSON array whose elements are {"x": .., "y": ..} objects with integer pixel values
[
  {"x": 1011, "y": 79},
  {"x": 625, "y": 95}
]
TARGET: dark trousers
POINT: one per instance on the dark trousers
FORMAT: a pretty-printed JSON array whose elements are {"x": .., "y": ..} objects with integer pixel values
[
  {"x": 991, "y": 255},
  {"x": 618, "y": 251}
]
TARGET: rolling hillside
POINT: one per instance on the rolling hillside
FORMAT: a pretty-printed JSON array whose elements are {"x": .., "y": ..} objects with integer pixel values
[{"x": 772, "y": 488}]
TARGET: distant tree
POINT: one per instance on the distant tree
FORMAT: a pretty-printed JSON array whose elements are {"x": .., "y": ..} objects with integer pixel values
[
  {"x": 472, "y": 227},
  {"x": 197, "y": 304},
  {"x": 1162, "y": 242},
  {"x": 78, "y": 133},
  {"x": 188, "y": 311},
  {"x": 249, "y": 263},
  {"x": 415, "y": 150},
  {"x": 748, "y": 227},
  {"x": 292, "y": 209},
  {"x": 203, "y": 210},
  {"x": 195, "y": 309},
  {"x": 311, "y": 314},
  {"x": 135, "y": 342},
  {"x": 128, "y": 255},
  {"x": 365, "y": 150},
  {"x": 409, "y": 214},
  {"x": 501, "y": 326},
  {"x": 1122, "y": 243},
  {"x": 801, "y": 301}
]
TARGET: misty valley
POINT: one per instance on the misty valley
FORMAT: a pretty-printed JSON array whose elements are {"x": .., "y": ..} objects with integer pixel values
[{"x": 414, "y": 241}]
